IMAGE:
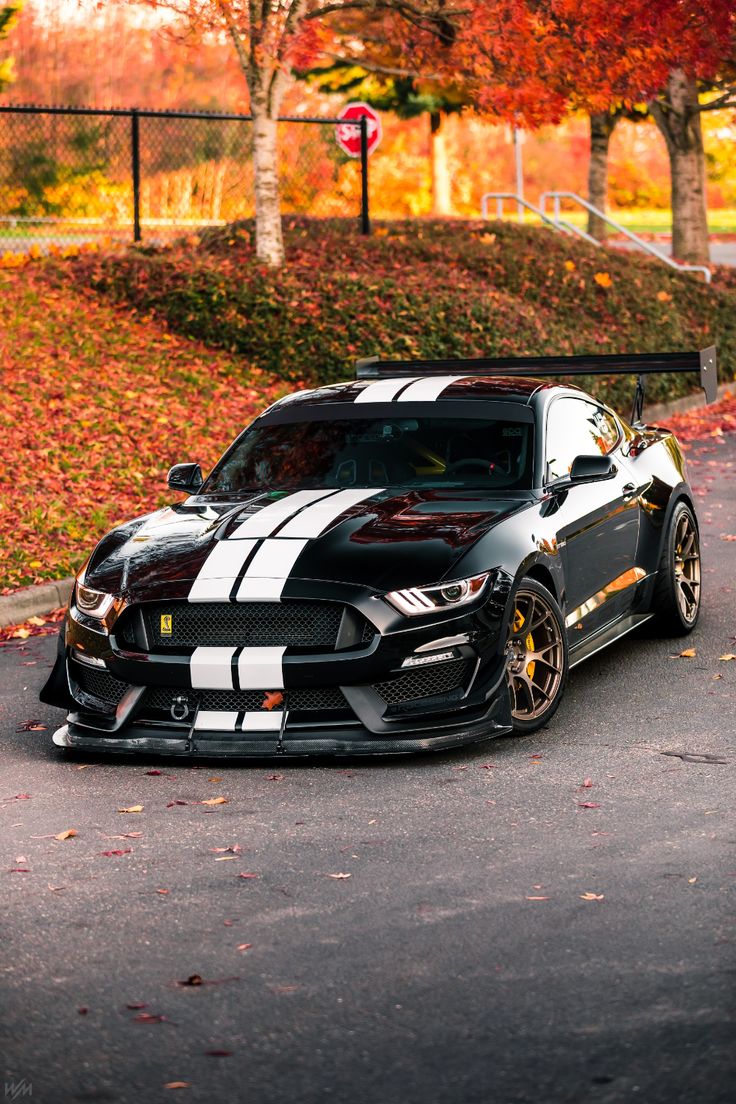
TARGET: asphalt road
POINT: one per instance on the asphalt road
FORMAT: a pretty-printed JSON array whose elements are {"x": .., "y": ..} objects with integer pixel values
[{"x": 459, "y": 962}]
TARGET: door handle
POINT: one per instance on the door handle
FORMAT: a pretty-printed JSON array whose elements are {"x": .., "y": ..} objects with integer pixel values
[{"x": 628, "y": 491}]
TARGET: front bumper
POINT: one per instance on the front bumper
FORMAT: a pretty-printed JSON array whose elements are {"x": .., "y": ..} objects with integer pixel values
[{"x": 356, "y": 698}]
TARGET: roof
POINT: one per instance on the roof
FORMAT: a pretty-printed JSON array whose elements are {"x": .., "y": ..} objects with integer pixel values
[{"x": 427, "y": 389}]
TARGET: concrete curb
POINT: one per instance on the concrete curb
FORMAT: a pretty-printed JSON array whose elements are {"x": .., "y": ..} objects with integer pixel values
[
  {"x": 34, "y": 601},
  {"x": 38, "y": 600}
]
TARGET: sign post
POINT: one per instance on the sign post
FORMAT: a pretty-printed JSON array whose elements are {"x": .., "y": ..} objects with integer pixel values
[{"x": 357, "y": 134}]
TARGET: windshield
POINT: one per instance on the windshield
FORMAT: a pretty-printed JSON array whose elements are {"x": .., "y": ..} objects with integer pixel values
[{"x": 421, "y": 452}]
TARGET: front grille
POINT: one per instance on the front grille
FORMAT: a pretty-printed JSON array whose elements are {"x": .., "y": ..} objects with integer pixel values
[
  {"x": 306, "y": 700},
  {"x": 247, "y": 624},
  {"x": 431, "y": 681},
  {"x": 99, "y": 684}
]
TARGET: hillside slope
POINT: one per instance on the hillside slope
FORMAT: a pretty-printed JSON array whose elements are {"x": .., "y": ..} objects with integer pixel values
[{"x": 432, "y": 289}]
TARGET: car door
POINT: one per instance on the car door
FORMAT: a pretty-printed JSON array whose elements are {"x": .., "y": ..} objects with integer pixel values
[{"x": 598, "y": 523}]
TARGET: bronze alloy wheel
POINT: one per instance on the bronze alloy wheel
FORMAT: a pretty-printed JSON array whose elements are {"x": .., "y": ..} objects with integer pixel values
[
  {"x": 687, "y": 567},
  {"x": 535, "y": 657}
]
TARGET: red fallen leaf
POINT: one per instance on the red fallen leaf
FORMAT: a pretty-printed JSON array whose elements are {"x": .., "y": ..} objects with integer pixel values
[
  {"x": 487, "y": 766},
  {"x": 728, "y": 536},
  {"x": 83, "y": 1010},
  {"x": 177, "y": 802},
  {"x": 274, "y": 777},
  {"x": 149, "y": 1018},
  {"x": 18, "y": 870},
  {"x": 586, "y": 785},
  {"x": 134, "y": 1006},
  {"x": 536, "y": 755},
  {"x": 271, "y": 699},
  {"x": 154, "y": 772},
  {"x": 31, "y": 726},
  {"x": 588, "y": 805},
  {"x": 117, "y": 851},
  {"x": 244, "y": 946},
  {"x": 248, "y": 875},
  {"x": 19, "y": 797},
  {"x": 193, "y": 979},
  {"x": 219, "y": 1053},
  {"x": 163, "y": 892}
]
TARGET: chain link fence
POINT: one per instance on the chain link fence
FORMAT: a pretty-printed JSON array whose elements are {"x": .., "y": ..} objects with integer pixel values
[{"x": 75, "y": 175}]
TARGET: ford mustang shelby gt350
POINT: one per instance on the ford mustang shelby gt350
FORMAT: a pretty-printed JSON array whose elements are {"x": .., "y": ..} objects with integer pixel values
[{"x": 411, "y": 560}]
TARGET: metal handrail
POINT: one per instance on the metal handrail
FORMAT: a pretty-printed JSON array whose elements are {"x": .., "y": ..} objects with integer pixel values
[
  {"x": 646, "y": 246},
  {"x": 519, "y": 200}
]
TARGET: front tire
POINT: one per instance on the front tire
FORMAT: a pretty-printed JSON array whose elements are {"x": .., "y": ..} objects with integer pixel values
[
  {"x": 676, "y": 598},
  {"x": 536, "y": 657}
]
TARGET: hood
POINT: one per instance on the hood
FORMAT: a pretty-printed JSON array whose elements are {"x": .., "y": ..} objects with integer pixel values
[{"x": 378, "y": 539}]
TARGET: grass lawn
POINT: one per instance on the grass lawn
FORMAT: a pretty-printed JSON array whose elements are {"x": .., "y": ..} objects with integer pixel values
[{"x": 116, "y": 366}]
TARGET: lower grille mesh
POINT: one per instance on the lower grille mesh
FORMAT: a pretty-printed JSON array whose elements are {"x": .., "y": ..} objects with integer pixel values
[
  {"x": 307, "y": 700},
  {"x": 424, "y": 682},
  {"x": 99, "y": 684}
]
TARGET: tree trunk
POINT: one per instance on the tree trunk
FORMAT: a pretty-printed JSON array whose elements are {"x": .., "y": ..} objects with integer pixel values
[
  {"x": 678, "y": 118},
  {"x": 269, "y": 239},
  {"x": 601, "y": 129},
  {"x": 441, "y": 192}
]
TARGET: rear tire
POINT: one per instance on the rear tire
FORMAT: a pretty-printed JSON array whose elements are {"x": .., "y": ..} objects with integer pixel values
[
  {"x": 676, "y": 598},
  {"x": 536, "y": 657}
]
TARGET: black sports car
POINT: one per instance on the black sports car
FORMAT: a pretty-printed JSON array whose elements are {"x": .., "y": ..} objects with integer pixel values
[{"x": 412, "y": 560}]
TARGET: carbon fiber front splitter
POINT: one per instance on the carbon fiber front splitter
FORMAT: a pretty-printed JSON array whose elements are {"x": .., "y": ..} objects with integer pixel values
[{"x": 327, "y": 740}]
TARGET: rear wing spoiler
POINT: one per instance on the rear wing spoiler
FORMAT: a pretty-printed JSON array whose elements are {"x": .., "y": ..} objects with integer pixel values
[{"x": 618, "y": 364}]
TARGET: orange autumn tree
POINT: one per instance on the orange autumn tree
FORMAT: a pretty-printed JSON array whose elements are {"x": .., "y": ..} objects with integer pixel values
[{"x": 270, "y": 39}]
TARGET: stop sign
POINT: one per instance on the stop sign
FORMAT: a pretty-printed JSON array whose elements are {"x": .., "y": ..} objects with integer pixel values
[{"x": 348, "y": 137}]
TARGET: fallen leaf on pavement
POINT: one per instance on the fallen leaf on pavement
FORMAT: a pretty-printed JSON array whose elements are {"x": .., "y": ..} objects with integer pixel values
[
  {"x": 215, "y": 801},
  {"x": 728, "y": 536},
  {"x": 691, "y": 881},
  {"x": 587, "y": 784},
  {"x": 339, "y": 876},
  {"x": 247, "y": 875},
  {"x": 31, "y": 726},
  {"x": 728, "y": 656},
  {"x": 149, "y": 1018},
  {"x": 56, "y": 889},
  {"x": 215, "y": 779},
  {"x": 591, "y": 896},
  {"x": 163, "y": 892},
  {"x": 225, "y": 858},
  {"x": 244, "y": 946},
  {"x": 274, "y": 777},
  {"x": 687, "y": 654},
  {"x": 21, "y": 859},
  {"x": 537, "y": 898},
  {"x": 83, "y": 1010},
  {"x": 36, "y": 621},
  {"x": 70, "y": 833},
  {"x": 131, "y": 809},
  {"x": 135, "y": 1005},
  {"x": 588, "y": 805},
  {"x": 235, "y": 848},
  {"x": 193, "y": 979},
  {"x": 118, "y": 851},
  {"x": 170, "y": 804},
  {"x": 154, "y": 772},
  {"x": 18, "y": 870},
  {"x": 219, "y": 1053},
  {"x": 177, "y": 1085}
]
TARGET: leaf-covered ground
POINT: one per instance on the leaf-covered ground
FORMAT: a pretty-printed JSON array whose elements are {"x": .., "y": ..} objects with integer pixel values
[
  {"x": 96, "y": 405},
  {"x": 429, "y": 289},
  {"x": 114, "y": 367}
]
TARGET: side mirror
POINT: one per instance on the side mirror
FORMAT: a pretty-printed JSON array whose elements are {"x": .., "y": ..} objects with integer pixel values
[
  {"x": 592, "y": 469},
  {"x": 185, "y": 477}
]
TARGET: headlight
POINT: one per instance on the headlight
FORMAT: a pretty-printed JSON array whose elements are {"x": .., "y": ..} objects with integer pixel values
[
  {"x": 93, "y": 603},
  {"x": 418, "y": 600}
]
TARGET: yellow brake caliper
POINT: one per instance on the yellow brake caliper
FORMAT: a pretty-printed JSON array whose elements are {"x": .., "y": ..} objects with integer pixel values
[{"x": 528, "y": 642}]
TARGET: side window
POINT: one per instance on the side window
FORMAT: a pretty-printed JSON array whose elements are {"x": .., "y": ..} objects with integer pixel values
[{"x": 576, "y": 427}]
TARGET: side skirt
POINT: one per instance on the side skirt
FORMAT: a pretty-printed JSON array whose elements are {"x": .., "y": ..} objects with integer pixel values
[{"x": 607, "y": 635}]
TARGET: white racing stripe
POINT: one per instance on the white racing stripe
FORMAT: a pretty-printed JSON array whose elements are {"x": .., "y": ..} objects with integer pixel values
[
  {"x": 266, "y": 576},
  {"x": 211, "y": 668},
  {"x": 262, "y": 722},
  {"x": 259, "y": 667},
  {"x": 383, "y": 391},
  {"x": 220, "y": 570},
  {"x": 315, "y": 519},
  {"x": 268, "y": 518},
  {"x": 427, "y": 390},
  {"x": 211, "y": 720}
]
